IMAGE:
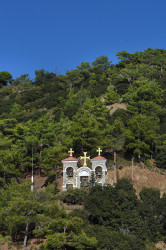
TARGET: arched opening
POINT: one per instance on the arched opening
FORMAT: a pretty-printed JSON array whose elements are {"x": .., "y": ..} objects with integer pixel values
[
  {"x": 69, "y": 172},
  {"x": 98, "y": 172}
]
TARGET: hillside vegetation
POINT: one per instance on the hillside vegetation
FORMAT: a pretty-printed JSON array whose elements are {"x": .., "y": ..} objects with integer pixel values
[{"x": 119, "y": 108}]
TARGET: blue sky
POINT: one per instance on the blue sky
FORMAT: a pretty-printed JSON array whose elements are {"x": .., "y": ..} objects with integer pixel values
[{"x": 58, "y": 35}]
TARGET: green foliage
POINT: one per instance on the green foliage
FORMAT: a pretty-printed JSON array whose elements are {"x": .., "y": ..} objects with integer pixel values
[
  {"x": 111, "y": 95},
  {"x": 150, "y": 197},
  {"x": 67, "y": 232},
  {"x": 18, "y": 207},
  {"x": 86, "y": 128},
  {"x": 5, "y": 239},
  {"x": 76, "y": 79},
  {"x": 108, "y": 239},
  {"x": 43, "y": 76},
  {"x": 142, "y": 75},
  {"x": 73, "y": 196},
  {"x": 145, "y": 97},
  {"x": 23, "y": 81},
  {"x": 118, "y": 209},
  {"x": 142, "y": 133},
  {"x": 52, "y": 113},
  {"x": 84, "y": 66},
  {"x": 138, "y": 80},
  {"x": 161, "y": 151},
  {"x": 148, "y": 210},
  {"x": 5, "y": 78},
  {"x": 101, "y": 62},
  {"x": 75, "y": 102}
]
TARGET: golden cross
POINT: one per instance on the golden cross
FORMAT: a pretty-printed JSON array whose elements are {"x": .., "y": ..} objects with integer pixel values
[
  {"x": 99, "y": 151},
  {"x": 85, "y": 158},
  {"x": 71, "y": 152}
]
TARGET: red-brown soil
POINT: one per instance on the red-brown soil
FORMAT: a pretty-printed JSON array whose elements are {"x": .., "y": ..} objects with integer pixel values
[
  {"x": 40, "y": 179},
  {"x": 142, "y": 177}
]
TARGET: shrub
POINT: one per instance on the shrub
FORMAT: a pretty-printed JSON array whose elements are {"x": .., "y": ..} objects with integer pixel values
[{"x": 73, "y": 196}]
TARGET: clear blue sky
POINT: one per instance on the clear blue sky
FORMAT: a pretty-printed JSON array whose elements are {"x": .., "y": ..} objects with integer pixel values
[{"x": 58, "y": 35}]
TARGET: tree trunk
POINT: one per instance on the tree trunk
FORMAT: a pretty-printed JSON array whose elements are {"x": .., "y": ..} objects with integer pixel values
[
  {"x": 132, "y": 170},
  {"x": 161, "y": 71},
  {"x": 115, "y": 173},
  {"x": 26, "y": 236}
]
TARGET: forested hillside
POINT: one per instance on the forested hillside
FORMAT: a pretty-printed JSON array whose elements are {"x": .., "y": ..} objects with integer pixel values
[{"x": 52, "y": 113}]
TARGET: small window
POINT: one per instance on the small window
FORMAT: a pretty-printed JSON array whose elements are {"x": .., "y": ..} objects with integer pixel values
[
  {"x": 84, "y": 181},
  {"x": 69, "y": 172},
  {"x": 98, "y": 172}
]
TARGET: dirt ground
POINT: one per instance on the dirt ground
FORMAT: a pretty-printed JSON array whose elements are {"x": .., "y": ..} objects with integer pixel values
[{"x": 142, "y": 177}]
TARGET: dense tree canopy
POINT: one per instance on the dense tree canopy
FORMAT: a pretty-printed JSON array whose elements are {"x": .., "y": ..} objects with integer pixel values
[
  {"x": 51, "y": 113},
  {"x": 54, "y": 112}
]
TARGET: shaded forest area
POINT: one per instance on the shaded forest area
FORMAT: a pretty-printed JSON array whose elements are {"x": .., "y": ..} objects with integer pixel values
[
  {"x": 52, "y": 113},
  {"x": 110, "y": 218}
]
